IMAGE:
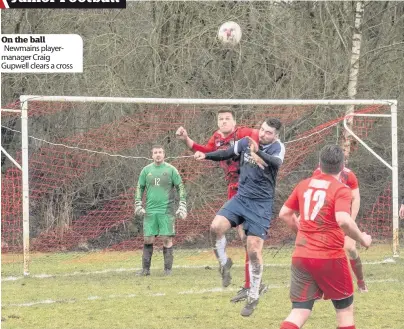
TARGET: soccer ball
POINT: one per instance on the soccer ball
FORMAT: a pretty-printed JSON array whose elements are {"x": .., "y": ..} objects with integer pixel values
[{"x": 229, "y": 33}]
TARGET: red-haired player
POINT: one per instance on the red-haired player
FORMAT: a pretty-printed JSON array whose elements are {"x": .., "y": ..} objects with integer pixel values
[
  {"x": 319, "y": 264},
  {"x": 224, "y": 138}
]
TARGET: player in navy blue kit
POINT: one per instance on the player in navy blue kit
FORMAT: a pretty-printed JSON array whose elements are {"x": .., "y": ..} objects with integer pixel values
[{"x": 252, "y": 205}]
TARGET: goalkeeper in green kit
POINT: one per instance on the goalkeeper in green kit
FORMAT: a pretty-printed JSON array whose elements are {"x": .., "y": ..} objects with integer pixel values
[{"x": 160, "y": 179}]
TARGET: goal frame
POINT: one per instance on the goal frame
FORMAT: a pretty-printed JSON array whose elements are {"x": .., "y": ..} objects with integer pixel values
[{"x": 25, "y": 99}]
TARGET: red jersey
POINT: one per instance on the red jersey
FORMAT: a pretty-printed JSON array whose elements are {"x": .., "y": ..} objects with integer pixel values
[
  {"x": 347, "y": 177},
  {"x": 231, "y": 167},
  {"x": 318, "y": 199}
]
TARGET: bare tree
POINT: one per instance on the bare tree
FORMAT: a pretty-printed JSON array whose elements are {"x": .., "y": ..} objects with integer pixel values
[{"x": 353, "y": 72}]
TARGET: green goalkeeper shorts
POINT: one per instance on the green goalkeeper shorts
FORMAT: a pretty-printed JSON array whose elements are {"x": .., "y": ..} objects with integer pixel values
[{"x": 159, "y": 224}]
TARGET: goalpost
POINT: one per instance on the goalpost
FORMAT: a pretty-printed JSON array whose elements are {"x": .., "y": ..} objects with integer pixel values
[{"x": 25, "y": 100}]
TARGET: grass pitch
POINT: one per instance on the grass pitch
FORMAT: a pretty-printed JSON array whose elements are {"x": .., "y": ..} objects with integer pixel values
[{"x": 100, "y": 290}]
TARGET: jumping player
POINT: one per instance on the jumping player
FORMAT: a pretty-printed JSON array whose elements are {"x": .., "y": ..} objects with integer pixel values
[
  {"x": 252, "y": 205},
  {"x": 225, "y": 137}
]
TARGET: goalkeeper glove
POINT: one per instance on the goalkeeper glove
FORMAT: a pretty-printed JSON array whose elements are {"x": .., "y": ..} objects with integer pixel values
[
  {"x": 182, "y": 210},
  {"x": 139, "y": 210}
]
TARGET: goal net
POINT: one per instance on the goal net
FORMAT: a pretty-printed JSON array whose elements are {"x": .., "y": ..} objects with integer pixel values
[{"x": 85, "y": 158}]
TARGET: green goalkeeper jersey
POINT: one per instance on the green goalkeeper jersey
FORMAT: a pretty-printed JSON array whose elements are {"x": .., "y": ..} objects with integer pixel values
[{"x": 160, "y": 181}]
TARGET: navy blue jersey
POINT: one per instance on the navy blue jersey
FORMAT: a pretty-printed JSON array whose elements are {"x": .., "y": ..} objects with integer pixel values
[{"x": 254, "y": 182}]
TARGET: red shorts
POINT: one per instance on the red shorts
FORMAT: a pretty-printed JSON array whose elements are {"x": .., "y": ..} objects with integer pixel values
[
  {"x": 232, "y": 190},
  {"x": 316, "y": 278}
]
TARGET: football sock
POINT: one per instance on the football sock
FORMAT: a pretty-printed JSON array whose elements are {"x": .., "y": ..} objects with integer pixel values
[
  {"x": 255, "y": 276},
  {"x": 247, "y": 272},
  {"x": 168, "y": 258},
  {"x": 147, "y": 255},
  {"x": 220, "y": 250},
  {"x": 288, "y": 325},
  {"x": 349, "y": 327},
  {"x": 356, "y": 265}
]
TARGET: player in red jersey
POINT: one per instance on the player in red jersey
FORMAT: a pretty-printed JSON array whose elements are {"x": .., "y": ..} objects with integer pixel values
[
  {"x": 224, "y": 138},
  {"x": 319, "y": 263},
  {"x": 349, "y": 178}
]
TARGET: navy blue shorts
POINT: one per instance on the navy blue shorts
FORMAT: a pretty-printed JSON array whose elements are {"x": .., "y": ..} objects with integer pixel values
[{"x": 255, "y": 215}]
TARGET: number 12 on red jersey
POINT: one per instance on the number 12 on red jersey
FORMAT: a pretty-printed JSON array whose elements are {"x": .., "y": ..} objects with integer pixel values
[{"x": 311, "y": 212}]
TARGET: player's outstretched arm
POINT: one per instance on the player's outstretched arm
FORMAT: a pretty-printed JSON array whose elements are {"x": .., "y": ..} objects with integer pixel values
[
  {"x": 220, "y": 155},
  {"x": 209, "y": 147},
  {"x": 288, "y": 215},
  {"x": 350, "y": 228},
  {"x": 199, "y": 155},
  {"x": 182, "y": 135}
]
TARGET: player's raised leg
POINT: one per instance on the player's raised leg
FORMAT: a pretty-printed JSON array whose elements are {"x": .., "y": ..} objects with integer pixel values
[
  {"x": 242, "y": 294},
  {"x": 218, "y": 228},
  {"x": 254, "y": 248},
  {"x": 356, "y": 263},
  {"x": 247, "y": 283}
]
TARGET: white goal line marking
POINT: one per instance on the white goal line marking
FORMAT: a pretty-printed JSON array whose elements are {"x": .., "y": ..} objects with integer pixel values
[
  {"x": 118, "y": 270},
  {"x": 158, "y": 294}
]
